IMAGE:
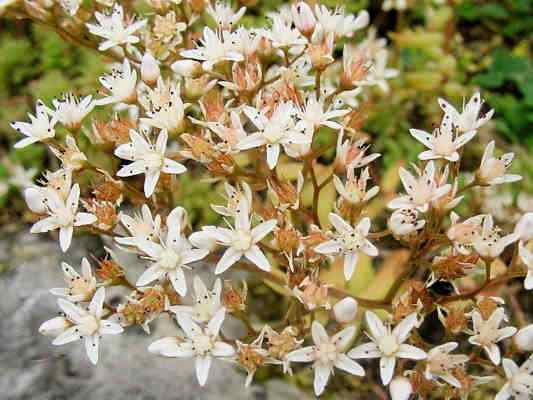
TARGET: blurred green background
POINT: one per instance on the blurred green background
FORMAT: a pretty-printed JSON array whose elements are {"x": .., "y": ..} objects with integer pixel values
[{"x": 442, "y": 48}]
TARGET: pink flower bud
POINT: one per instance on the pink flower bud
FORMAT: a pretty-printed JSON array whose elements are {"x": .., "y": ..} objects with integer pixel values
[
  {"x": 345, "y": 310},
  {"x": 400, "y": 388},
  {"x": 187, "y": 68},
  {"x": 303, "y": 18}
]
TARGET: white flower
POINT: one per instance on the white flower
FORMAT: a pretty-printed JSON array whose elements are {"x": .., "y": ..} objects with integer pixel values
[
  {"x": 164, "y": 107},
  {"x": 527, "y": 259},
  {"x": 71, "y": 157},
  {"x": 242, "y": 241},
  {"x": 121, "y": 84},
  {"x": 387, "y": 344},
  {"x": 404, "y": 221},
  {"x": 141, "y": 227},
  {"x": 468, "y": 120},
  {"x": 71, "y": 110},
  {"x": 224, "y": 16},
  {"x": 355, "y": 190},
  {"x": 55, "y": 326},
  {"x": 523, "y": 339},
  {"x": 282, "y": 34},
  {"x": 187, "y": 68},
  {"x": 313, "y": 114},
  {"x": 442, "y": 143},
  {"x": 39, "y": 129},
  {"x": 492, "y": 171},
  {"x": 59, "y": 181},
  {"x": 171, "y": 256},
  {"x": 274, "y": 131},
  {"x": 488, "y": 332},
  {"x": 230, "y": 134},
  {"x": 148, "y": 159},
  {"x": 87, "y": 324},
  {"x": 524, "y": 227},
  {"x": 349, "y": 242},
  {"x": 206, "y": 303},
  {"x": 201, "y": 343},
  {"x": 420, "y": 192},
  {"x": 237, "y": 200},
  {"x": 379, "y": 73},
  {"x": 345, "y": 310},
  {"x": 440, "y": 363},
  {"x": 519, "y": 380},
  {"x": 400, "y": 388},
  {"x": 114, "y": 28},
  {"x": 463, "y": 234},
  {"x": 394, "y": 4},
  {"x": 63, "y": 215},
  {"x": 213, "y": 50},
  {"x": 336, "y": 22},
  {"x": 489, "y": 243},
  {"x": 80, "y": 287},
  {"x": 150, "y": 70},
  {"x": 352, "y": 155},
  {"x": 327, "y": 353}
]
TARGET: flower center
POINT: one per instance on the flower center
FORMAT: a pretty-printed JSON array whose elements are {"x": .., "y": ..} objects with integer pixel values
[
  {"x": 202, "y": 344},
  {"x": 443, "y": 144},
  {"x": 326, "y": 353},
  {"x": 170, "y": 259},
  {"x": 243, "y": 241},
  {"x": 89, "y": 325},
  {"x": 388, "y": 345}
]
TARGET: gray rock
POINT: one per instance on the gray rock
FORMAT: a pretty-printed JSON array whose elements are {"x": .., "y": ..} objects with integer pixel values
[{"x": 31, "y": 368}]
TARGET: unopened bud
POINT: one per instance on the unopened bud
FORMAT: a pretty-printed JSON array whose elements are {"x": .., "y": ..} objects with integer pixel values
[
  {"x": 303, "y": 18},
  {"x": 345, "y": 310},
  {"x": 524, "y": 227},
  {"x": 524, "y": 338},
  {"x": 187, "y": 68},
  {"x": 149, "y": 69},
  {"x": 400, "y": 388}
]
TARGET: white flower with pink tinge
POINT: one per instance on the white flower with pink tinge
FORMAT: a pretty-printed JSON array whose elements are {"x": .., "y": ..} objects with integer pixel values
[
  {"x": 348, "y": 241},
  {"x": 489, "y": 243},
  {"x": 224, "y": 15},
  {"x": 493, "y": 170},
  {"x": 86, "y": 324},
  {"x": 388, "y": 344},
  {"x": 148, "y": 159},
  {"x": 80, "y": 287},
  {"x": 443, "y": 143},
  {"x": 519, "y": 380},
  {"x": 203, "y": 344},
  {"x": 463, "y": 233},
  {"x": 326, "y": 354},
  {"x": 487, "y": 333},
  {"x": 39, "y": 129},
  {"x": 421, "y": 191},
  {"x": 62, "y": 215},
  {"x": 440, "y": 363},
  {"x": 468, "y": 120},
  {"x": 275, "y": 131}
]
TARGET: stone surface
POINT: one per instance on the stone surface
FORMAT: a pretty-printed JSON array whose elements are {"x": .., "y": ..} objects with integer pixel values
[{"x": 31, "y": 368}]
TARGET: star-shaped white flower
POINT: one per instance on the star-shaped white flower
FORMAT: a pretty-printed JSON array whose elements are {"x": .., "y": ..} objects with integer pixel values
[
  {"x": 80, "y": 287},
  {"x": 86, "y": 324},
  {"x": 468, "y": 120},
  {"x": 487, "y": 333},
  {"x": 278, "y": 129},
  {"x": 326, "y": 354},
  {"x": 115, "y": 29},
  {"x": 443, "y": 143},
  {"x": 348, "y": 241},
  {"x": 440, "y": 363},
  {"x": 206, "y": 303},
  {"x": 141, "y": 227},
  {"x": 489, "y": 243},
  {"x": 70, "y": 110},
  {"x": 121, "y": 84},
  {"x": 171, "y": 256},
  {"x": 148, "y": 159},
  {"x": 463, "y": 234},
  {"x": 63, "y": 215},
  {"x": 224, "y": 15},
  {"x": 421, "y": 191},
  {"x": 314, "y": 115},
  {"x": 213, "y": 50},
  {"x": 355, "y": 191},
  {"x": 72, "y": 158},
  {"x": 519, "y": 382},
  {"x": 404, "y": 221},
  {"x": 334, "y": 21},
  {"x": 493, "y": 170},
  {"x": 388, "y": 344},
  {"x": 241, "y": 241},
  {"x": 200, "y": 343},
  {"x": 283, "y": 35},
  {"x": 40, "y": 127}
]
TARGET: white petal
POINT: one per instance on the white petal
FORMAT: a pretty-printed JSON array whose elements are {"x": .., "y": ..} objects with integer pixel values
[
  {"x": 256, "y": 256},
  {"x": 96, "y": 305},
  {"x": 230, "y": 257},
  {"x": 202, "y": 369},
  {"x": 177, "y": 278},
  {"x": 149, "y": 275},
  {"x": 350, "y": 366},
  {"x": 343, "y": 338},
  {"x": 402, "y": 330},
  {"x": 173, "y": 167},
  {"x": 222, "y": 349},
  {"x": 273, "y": 151},
  {"x": 386, "y": 369},
  {"x": 376, "y": 327},
  {"x": 329, "y": 247},
  {"x": 70, "y": 335},
  {"x": 65, "y": 237},
  {"x": 321, "y": 378},
  {"x": 410, "y": 352},
  {"x": 150, "y": 182},
  {"x": 215, "y": 323},
  {"x": 350, "y": 262},
  {"x": 108, "y": 327},
  {"x": 305, "y": 354},
  {"x": 366, "y": 350},
  {"x": 318, "y": 333},
  {"x": 263, "y": 229},
  {"x": 91, "y": 347}
]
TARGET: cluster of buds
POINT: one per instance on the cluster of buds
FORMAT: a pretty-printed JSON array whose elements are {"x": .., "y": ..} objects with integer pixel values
[{"x": 244, "y": 107}]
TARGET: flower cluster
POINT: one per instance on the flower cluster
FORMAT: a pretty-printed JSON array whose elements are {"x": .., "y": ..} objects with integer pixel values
[{"x": 271, "y": 116}]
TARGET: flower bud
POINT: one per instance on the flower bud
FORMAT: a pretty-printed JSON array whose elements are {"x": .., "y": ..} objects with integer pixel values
[
  {"x": 523, "y": 339},
  {"x": 304, "y": 18},
  {"x": 149, "y": 69},
  {"x": 524, "y": 227},
  {"x": 400, "y": 388},
  {"x": 345, "y": 310},
  {"x": 35, "y": 200},
  {"x": 187, "y": 68}
]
